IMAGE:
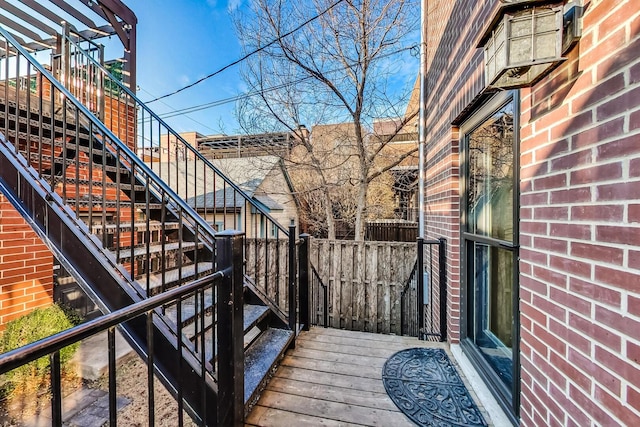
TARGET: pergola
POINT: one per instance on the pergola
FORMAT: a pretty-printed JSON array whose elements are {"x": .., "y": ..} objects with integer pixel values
[{"x": 36, "y": 24}]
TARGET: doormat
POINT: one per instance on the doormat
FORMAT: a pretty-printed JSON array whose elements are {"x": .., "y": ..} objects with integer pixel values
[{"x": 426, "y": 387}]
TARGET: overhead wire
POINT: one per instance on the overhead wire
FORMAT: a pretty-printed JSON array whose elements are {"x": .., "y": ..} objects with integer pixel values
[
  {"x": 248, "y": 55},
  {"x": 249, "y": 94},
  {"x": 173, "y": 109}
]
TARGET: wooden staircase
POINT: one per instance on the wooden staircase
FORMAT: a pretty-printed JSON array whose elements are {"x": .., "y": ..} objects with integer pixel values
[{"x": 124, "y": 235}]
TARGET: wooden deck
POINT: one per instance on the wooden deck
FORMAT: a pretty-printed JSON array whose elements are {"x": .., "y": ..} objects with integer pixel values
[{"x": 333, "y": 378}]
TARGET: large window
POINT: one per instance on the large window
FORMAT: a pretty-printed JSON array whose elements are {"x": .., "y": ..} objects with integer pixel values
[{"x": 489, "y": 244}]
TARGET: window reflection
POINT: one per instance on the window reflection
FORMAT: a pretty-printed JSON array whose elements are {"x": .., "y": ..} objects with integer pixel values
[{"x": 490, "y": 188}]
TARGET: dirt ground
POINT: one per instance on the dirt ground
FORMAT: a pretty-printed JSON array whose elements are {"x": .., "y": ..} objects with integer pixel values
[{"x": 131, "y": 383}]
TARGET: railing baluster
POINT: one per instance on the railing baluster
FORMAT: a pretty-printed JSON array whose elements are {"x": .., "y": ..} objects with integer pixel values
[
  {"x": 76, "y": 147},
  {"x": 203, "y": 353},
  {"x": 63, "y": 175},
  {"x": 179, "y": 361},
  {"x": 56, "y": 391},
  {"x": 420, "y": 286},
  {"x": 111, "y": 349},
  {"x": 17, "y": 100},
  {"x": 40, "y": 120},
  {"x": 150, "y": 372},
  {"x": 163, "y": 239},
  {"x": 132, "y": 200},
  {"x": 442, "y": 266},
  {"x": 28, "y": 111},
  {"x": 147, "y": 237},
  {"x": 6, "y": 88},
  {"x": 104, "y": 184},
  {"x": 293, "y": 320},
  {"x": 90, "y": 177},
  {"x": 117, "y": 233}
]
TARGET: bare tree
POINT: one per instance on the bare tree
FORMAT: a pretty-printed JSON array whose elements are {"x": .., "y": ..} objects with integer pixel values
[{"x": 329, "y": 61}]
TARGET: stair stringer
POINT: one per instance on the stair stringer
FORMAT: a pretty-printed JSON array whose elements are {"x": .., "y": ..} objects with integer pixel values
[{"x": 100, "y": 276}]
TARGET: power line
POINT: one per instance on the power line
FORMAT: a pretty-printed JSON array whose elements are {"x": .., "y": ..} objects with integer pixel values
[
  {"x": 173, "y": 109},
  {"x": 308, "y": 21},
  {"x": 239, "y": 96}
]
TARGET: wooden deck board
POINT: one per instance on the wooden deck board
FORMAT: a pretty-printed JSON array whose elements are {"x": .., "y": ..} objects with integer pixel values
[{"x": 333, "y": 377}]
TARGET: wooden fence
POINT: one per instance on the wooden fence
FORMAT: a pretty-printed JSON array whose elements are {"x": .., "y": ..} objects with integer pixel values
[
  {"x": 392, "y": 231},
  {"x": 364, "y": 280}
]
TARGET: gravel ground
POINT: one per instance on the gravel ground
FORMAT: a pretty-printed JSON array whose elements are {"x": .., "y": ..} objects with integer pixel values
[{"x": 131, "y": 383}]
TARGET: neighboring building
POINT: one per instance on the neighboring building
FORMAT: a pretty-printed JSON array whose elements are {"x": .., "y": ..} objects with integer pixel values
[
  {"x": 263, "y": 179},
  {"x": 228, "y": 146},
  {"x": 537, "y": 192},
  {"x": 220, "y": 146},
  {"x": 333, "y": 158},
  {"x": 405, "y": 174}
]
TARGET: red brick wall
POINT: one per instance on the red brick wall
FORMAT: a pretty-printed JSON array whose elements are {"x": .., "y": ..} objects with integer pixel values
[
  {"x": 26, "y": 267},
  {"x": 580, "y": 229},
  {"x": 454, "y": 28},
  {"x": 580, "y": 208},
  {"x": 120, "y": 118}
]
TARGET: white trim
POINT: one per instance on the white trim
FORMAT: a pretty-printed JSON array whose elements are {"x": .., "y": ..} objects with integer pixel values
[{"x": 492, "y": 409}]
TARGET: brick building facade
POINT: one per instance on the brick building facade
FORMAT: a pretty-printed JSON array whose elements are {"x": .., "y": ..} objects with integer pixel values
[{"x": 573, "y": 243}]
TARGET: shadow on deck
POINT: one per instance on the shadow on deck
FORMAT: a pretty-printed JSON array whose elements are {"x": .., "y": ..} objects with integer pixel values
[{"x": 334, "y": 377}]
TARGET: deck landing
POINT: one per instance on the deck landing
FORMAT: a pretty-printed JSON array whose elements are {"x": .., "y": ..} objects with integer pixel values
[{"x": 333, "y": 377}]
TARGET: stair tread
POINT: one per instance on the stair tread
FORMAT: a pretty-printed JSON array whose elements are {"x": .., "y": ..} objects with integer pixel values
[
  {"x": 72, "y": 181},
  {"x": 156, "y": 247},
  {"x": 261, "y": 357},
  {"x": 72, "y": 162},
  {"x": 97, "y": 202},
  {"x": 190, "y": 307},
  {"x": 252, "y": 315},
  {"x": 173, "y": 276},
  {"x": 138, "y": 226}
]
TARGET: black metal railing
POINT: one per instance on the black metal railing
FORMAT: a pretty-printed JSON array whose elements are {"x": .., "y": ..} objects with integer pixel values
[
  {"x": 228, "y": 283},
  {"x": 408, "y": 304},
  {"x": 423, "y": 301},
  {"x": 100, "y": 181},
  {"x": 122, "y": 231},
  {"x": 319, "y": 300},
  {"x": 215, "y": 194}
]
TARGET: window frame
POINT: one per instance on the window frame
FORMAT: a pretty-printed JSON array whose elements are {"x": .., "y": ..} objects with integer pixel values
[{"x": 508, "y": 399}]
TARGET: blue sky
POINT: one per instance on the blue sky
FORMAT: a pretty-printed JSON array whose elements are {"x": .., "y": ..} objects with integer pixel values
[
  {"x": 178, "y": 43},
  {"x": 182, "y": 41}
]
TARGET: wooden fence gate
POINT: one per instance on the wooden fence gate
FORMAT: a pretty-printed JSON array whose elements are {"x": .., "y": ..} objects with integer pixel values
[{"x": 364, "y": 281}]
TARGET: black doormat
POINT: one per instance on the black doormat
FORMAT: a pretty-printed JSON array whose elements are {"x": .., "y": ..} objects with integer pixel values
[{"x": 424, "y": 385}]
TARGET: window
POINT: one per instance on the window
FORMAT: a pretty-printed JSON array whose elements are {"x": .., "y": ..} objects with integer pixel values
[{"x": 490, "y": 244}]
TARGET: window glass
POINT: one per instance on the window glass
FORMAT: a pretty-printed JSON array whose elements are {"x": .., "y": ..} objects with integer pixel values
[{"x": 490, "y": 183}]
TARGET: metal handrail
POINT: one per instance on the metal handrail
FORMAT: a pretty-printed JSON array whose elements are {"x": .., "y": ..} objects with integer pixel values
[
  {"x": 30, "y": 352},
  {"x": 88, "y": 127},
  {"x": 201, "y": 184},
  {"x": 178, "y": 137},
  {"x": 103, "y": 129}
]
